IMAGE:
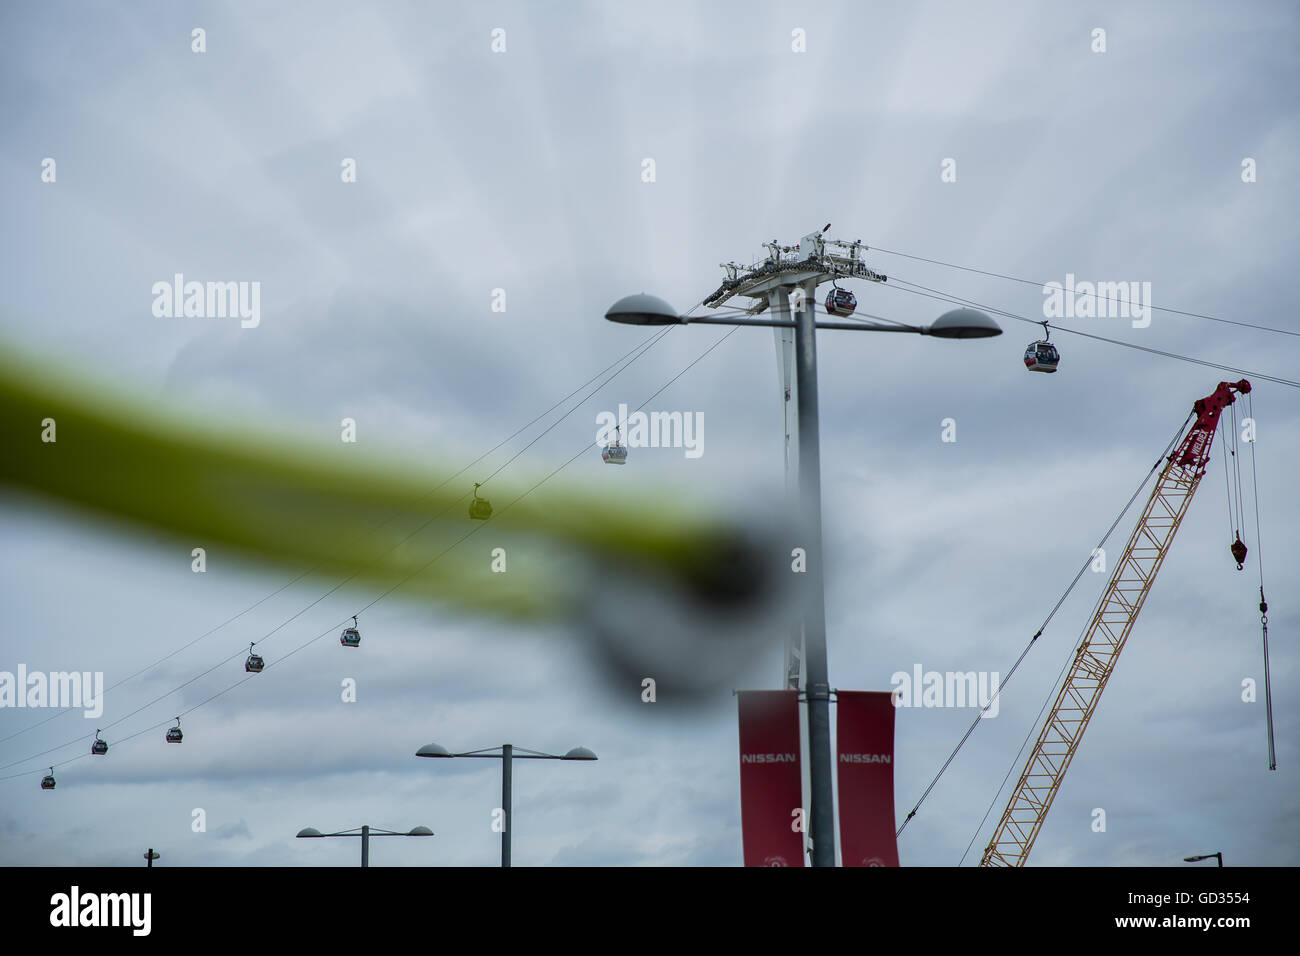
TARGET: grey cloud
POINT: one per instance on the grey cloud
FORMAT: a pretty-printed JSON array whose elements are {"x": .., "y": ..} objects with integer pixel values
[{"x": 522, "y": 172}]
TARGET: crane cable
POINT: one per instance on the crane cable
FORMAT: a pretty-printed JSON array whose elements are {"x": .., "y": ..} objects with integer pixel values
[
  {"x": 1233, "y": 525},
  {"x": 1232, "y": 480},
  {"x": 1263, "y": 603},
  {"x": 1037, "y": 634},
  {"x": 1263, "y": 607},
  {"x": 1236, "y": 518},
  {"x": 1236, "y": 468}
]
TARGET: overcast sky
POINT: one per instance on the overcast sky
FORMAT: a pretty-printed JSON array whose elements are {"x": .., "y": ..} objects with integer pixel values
[{"x": 523, "y": 170}]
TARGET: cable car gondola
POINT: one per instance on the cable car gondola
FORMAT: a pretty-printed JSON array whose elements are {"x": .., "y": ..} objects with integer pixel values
[
  {"x": 47, "y": 781},
  {"x": 1042, "y": 356},
  {"x": 480, "y": 509},
  {"x": 254, "y": 664},
  {"x": 840, "y": 302},
  {"x": 174, "y": 735},
  {"x": 615, "y": 453},
  {"x": 99, "y": 747},
  {"x": 351, "y": 637}
]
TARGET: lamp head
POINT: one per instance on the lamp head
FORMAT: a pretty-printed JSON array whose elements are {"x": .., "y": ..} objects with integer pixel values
[
  {"x": 642, "y": 309},
  {"x": 963, "y": 324}
]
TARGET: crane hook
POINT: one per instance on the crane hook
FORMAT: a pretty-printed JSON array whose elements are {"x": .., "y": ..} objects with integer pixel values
[{"x": 1238, "y": 549}]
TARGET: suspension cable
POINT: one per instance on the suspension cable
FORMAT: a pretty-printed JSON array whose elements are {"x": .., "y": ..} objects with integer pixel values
[
  {"x": 1015, "y": 762},
  {"x": 644, "y": 346},
  {"x": 900, "y": 285},
  {"x": 1096, "y": 296},
  {"x": 640, "y": 349},
  {"x": 1039, "y": 633}
]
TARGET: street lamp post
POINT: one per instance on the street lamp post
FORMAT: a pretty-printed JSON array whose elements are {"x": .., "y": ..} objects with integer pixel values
[
  {"x": 816, "y": 667},
  {"x": 365, "y": 833},
  {"x": 772, "y": 284},
  {"x": 507, "y": 756},
  {"x": 1205, "y": 856},
  {"x": 507, "y": 799},
  {"x": 150, "y": 856}
]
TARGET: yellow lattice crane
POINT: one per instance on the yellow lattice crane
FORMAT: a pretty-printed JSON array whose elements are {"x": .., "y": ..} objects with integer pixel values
[{"x": 1097, "y": 653}]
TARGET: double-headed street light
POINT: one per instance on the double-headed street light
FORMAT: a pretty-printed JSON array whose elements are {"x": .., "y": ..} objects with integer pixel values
[
  {"x": 365, "y": 833},
  {"x": 786, "y": 283},
  {"x": 645, "y": 309},
  {"x": 507, "y": 754}
]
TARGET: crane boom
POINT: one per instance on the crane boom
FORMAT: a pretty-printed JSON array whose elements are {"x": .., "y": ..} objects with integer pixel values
[{"x": 1095, "y": 658}]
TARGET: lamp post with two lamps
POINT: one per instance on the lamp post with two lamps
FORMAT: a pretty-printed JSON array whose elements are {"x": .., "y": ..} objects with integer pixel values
[
  {"x": 365, "y": 833},
  {"x": 786, "y": 283},
  {"x": 507, "y": 754}
]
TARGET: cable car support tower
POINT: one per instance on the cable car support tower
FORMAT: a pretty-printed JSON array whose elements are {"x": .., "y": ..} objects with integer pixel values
[
  {"x": 786, "y": 283},
  {"x": 782, "y": 282}
]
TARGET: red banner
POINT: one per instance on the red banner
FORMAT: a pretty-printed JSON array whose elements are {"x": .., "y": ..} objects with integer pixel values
[
  {"x": 770, "y": 778},
  {"x": 865, "y": 765}
]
